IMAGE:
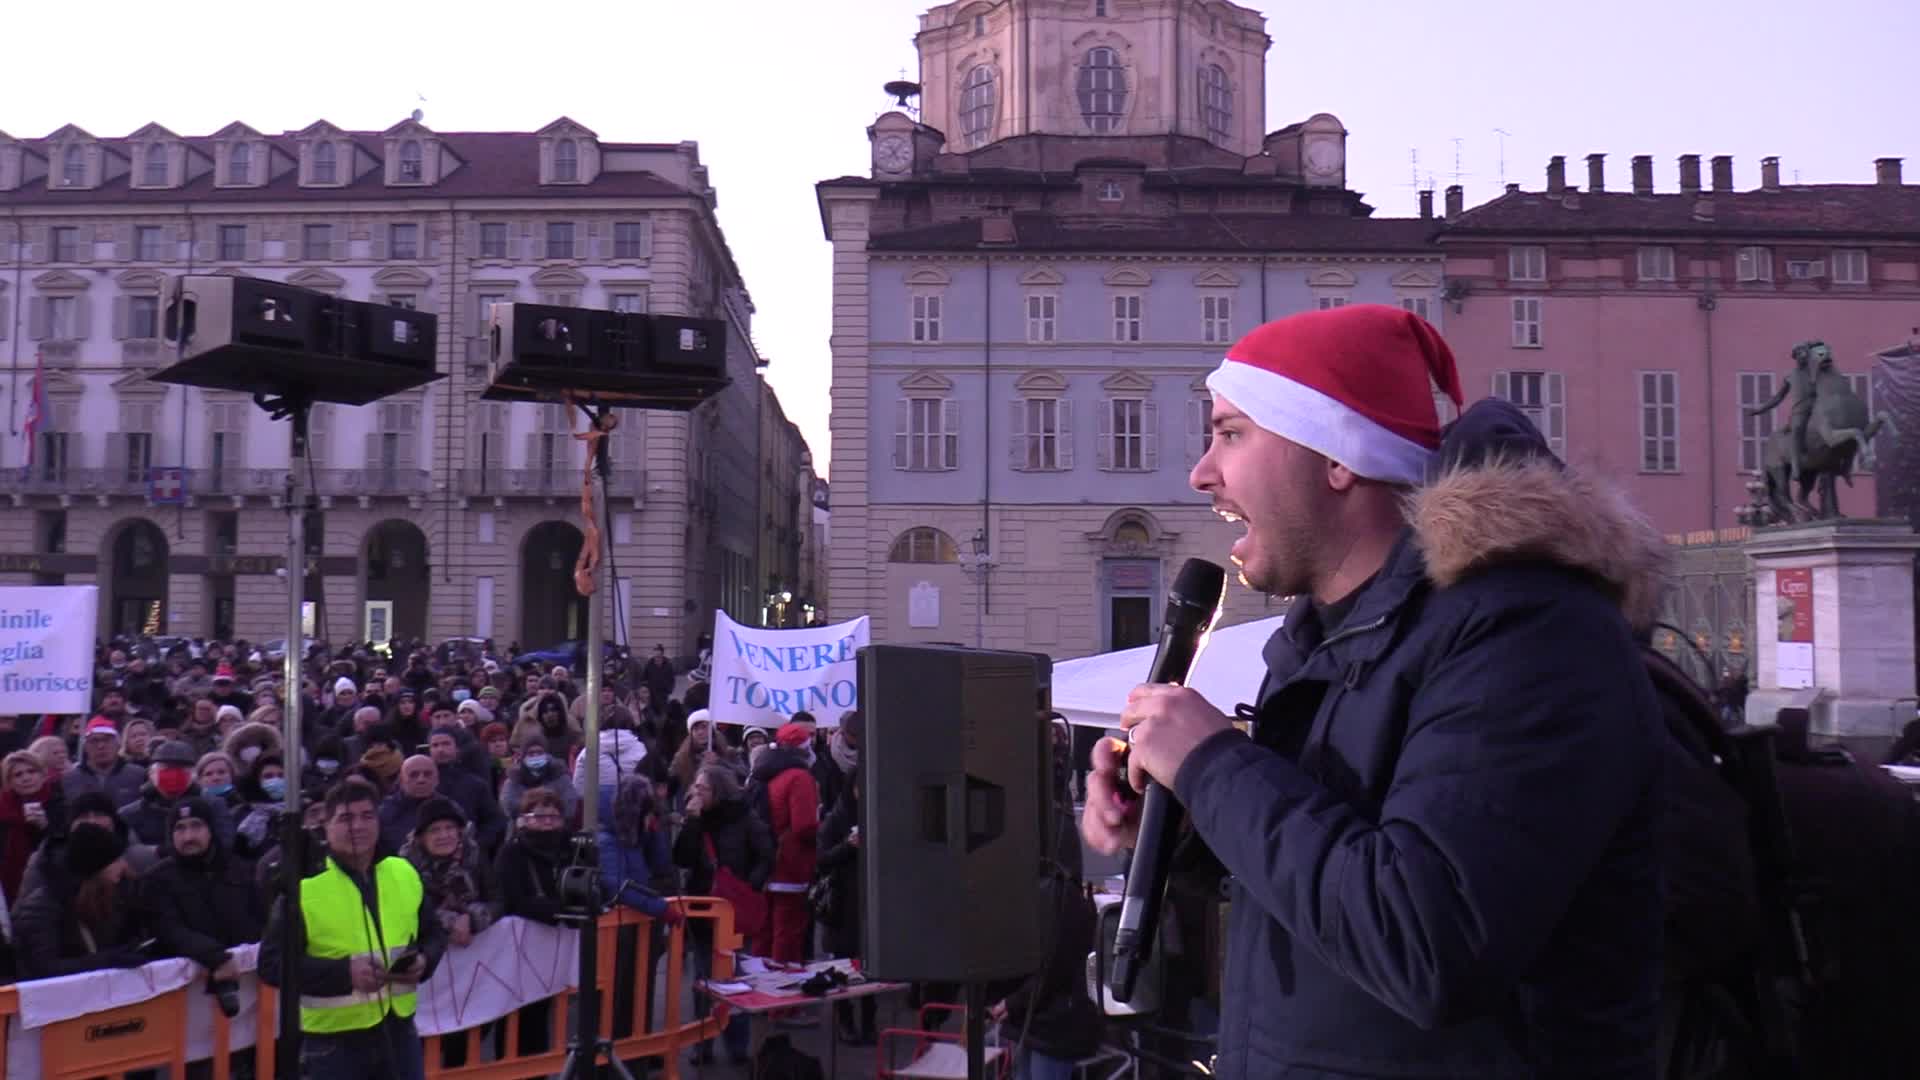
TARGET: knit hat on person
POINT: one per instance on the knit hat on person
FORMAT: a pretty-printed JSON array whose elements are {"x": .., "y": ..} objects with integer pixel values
[
  {"x": 793, "y": 735},
  {"x": 1354, "y": 383},
  {"x": 91, "y": 849},
  {"x": 92, "y": 802},
  {"x": 192, "y": 807},
  {"x": 383, "y": 760},
  {"x": 344, "y": 685},
  {"x": 223, "y": 672},
  {"x": 495, "y": 730},
  {"x": 100, "y": 725},
  {"x": 700, "y": 716},
  {"x": 175, "y": 753},
  {"x": 228, "y": 714},
  {"x": 438, "y": 808}
]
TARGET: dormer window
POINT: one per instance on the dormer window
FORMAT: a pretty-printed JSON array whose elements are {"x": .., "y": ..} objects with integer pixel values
[
  {"x": 154, "y": 167},
  {"x": 73, "y": 167},
  {"x": 411, "y": 171},
  {"x": 240, "y": 163},
  {"x": 566, "y": 161},
  {"x": 326, "y": 164},
  {"x": 1110, "y": 191}
]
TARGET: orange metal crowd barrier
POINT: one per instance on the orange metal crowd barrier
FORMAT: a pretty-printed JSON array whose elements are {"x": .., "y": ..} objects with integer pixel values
[{"x": 153, "y": 1033}]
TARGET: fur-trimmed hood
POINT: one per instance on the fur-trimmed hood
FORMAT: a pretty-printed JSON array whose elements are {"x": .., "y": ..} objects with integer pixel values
[{"x": 1497, "y": 502}]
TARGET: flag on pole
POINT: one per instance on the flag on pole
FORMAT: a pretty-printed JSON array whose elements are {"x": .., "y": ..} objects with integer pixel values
[{"x": 36, "y": 410}]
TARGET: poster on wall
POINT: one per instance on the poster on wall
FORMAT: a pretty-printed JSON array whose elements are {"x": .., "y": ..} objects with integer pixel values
[
  {"x": 46, "y": 648},
  {"x": 1793, "y": 602},
  {"x": 763, "y": 676}
]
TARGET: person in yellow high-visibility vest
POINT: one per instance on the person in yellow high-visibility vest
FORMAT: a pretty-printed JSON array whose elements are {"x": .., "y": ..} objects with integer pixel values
[{"x": 371, "y": 937}]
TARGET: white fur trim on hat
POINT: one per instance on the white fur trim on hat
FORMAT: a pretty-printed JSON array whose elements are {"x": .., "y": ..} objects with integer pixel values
[{"x": 1300, "y": 414}]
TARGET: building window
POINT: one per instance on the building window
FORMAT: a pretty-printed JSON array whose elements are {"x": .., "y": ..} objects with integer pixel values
[
  {"x": 66, "y": 243},
  {"x": 1526, "y": 322},
  {"x": 1328, "y": 303},
  {"x": 1753, "y": 264},
  {"x": 630, "y": 239},
  {"x": 1541, "y": 395},
  {"x": 62, "y": 318},
  {"x": 976, "y": 106},
  {"x": 148, "y": 245},
  {"x": 562, "y": 298},
  {"x": 1042, "y": 434},
  {"x": 493, "y": 239},
  {"x": 1099, "y": 9},
  {"x": 483, "y": 310},
  {"x": 154, "y": 167},
  {"x": 1129, "y": 435},
  {"x": 1199, "y": 427},
  {"x": 926, "y": 317},
  {"x": 1656, "y": 264},
  {"x": 979, "y": 26},
  {"x": 1806, "y": 269},
  {"x": 1216, "y": 318},
  {"x": 136, "y": 456},
  {"x": 1103, "y": 90},
  {"x": 53, "y": 456},
  {"x": 1862, "y": 384},
  {"x": 566, "y": 161},
  {"x": 1111, "y": 191},
  {"x": 73, "y": 167},
  {"x": 630, "y": 303},
  {"x": 407, "y": 300},
  {"x": 923, "y": 545},
  {"x": 1419, "y": 305},
  {"x": 560, "y": 240},
  {"x": 143, "y": 317},
  {"x": 316, "y": 241},
  {"x": 1216, "y": 103},
  {"x": 1527, "y": 263},
  {"x": 1849, "y": 267},
  {"x": 325, "y": 165},
  {"x": 1041, "y": 311},
  {"x": 411, "y": 170},
  {"x": 240, "y": 163},
  {"x": 233, "y": 243},
  {"x": 926, "y": 435},
  {"x": 1126, "y": 317},
  {"x": 1756, "y": 389},
  {"x": 1659, "y": 422}
]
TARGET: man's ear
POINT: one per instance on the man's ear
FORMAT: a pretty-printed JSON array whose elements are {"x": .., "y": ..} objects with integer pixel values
[{"x": 1339, "y": 477}]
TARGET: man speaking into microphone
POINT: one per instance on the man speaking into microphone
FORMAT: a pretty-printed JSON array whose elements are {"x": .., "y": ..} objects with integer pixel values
[{"x": 1440, "y": 827}]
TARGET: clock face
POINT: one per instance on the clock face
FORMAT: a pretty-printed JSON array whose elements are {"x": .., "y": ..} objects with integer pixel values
[
  {"x": 893, "y": 153},
  {"x": 1323, "y": 156}
]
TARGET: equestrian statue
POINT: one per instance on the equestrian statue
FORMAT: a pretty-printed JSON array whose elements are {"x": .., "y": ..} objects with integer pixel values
[{"x": 1826, "y": 433}]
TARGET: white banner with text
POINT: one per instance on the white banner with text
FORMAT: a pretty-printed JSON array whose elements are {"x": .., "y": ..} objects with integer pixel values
[
  {"x": 763, "y": 676},
  {"x": 46, "y": 648}
]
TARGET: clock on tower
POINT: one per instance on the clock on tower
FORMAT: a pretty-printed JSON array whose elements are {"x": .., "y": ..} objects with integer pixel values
[{"x": 893, "y": 154}]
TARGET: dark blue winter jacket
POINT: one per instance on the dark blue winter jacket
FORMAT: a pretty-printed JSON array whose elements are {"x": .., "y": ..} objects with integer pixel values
[{"x": 1440, "y": 832}]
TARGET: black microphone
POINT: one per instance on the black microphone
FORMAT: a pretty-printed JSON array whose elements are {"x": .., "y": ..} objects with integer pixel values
[{"x": 1191, "y": 606}]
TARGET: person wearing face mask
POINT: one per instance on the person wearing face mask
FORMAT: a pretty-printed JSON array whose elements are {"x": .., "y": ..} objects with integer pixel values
[
  {"x": 546, "y": 715},
  {"x": 101, "y": 766},
  {"x": 264, "y": 791},
  {"x": 92, "y": 808},
  {"x": 537, "y": 771},
  {"x": 246, "y": 745},
  {"x": 201, "y": 902},
  {"x": 217, "y": 777},
  {"x": 171, "y": 779},
  {"x": 325, "y": 766}
]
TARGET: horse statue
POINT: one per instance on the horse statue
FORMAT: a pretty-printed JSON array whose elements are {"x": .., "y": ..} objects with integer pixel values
[{"x": 1832, "y": 434}]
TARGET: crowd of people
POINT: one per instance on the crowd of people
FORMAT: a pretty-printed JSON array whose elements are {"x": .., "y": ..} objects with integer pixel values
[{"x": 151, "y": 827}]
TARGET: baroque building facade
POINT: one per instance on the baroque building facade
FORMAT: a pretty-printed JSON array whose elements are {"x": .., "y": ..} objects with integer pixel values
[
  {"x": 440, "y": 514},
  {"x": 1029, "y": 288}
]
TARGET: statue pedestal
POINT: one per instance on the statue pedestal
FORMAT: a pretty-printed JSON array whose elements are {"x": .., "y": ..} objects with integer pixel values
[{"x": 1833, "y": 627}]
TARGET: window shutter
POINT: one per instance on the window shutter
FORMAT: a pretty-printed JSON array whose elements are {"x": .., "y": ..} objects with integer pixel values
[
  {"x": 37, "y": 318},
  {"x": 594, "y": 241},
  {"x": 1063, "y": 418},
  {"x": 253, "y": 243},
  {"x": 429, "y": 243},
  {"x": 6, "y": 317},
  {"x": 122, "y": 243},
  {"x": 82, "y": 322},
  {"x": 1196, "y": 430},
  {"x": 37, "y": 244},
  {"x": 1556, "y": 414},
  {"x": 179, "y": 237},
  {"x": 83, "y": 246},
  {"x": 372, "y": 459},
  {"x": 203, "y": 244},
  {"x": 900, "y": 432},
  {"x": 120, "y": 317},
  {"x": 1500, "y": 386},
  {"x": 379, "y": 234},
  {"x": 408, "y": 457},
  {"x": 317, "y": 436},
  {"x": 473, "y": 239},
  {"x": 533, "y": 450},
  {"x": 237, "y": 439},
  {"x": 950, "y": 433},
  {"x": 116, "y": 456},
  {"x": 580, "y": 238},
  {"x": 1017, "y": 434},
  {"x": 1150, "y": 435},
  {"x": 1103, "y": 445}
]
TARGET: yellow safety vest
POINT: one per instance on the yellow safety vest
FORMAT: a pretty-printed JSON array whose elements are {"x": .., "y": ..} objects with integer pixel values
[{"x": 339, "y": 927}]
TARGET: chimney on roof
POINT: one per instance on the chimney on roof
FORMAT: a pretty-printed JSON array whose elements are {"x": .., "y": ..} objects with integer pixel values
[
  {"x": 1556, "y": 175},
  {"x": 1456, "y": 201},
  {"x": 1770, "y": 174},
  {"x": 1426, "y": 202},
  {"x": 1689, "y": 174},
  {"x": 1643, "y": 174},
  {"x": 1722, "y": 172},
  {"x": 1596, "y": 172},
  {"x": 1886, "y": 172},
  {"x": 1513, "y": 189}
]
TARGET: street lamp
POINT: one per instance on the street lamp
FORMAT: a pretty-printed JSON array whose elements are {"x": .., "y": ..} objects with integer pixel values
[{"x": 976, "y": 561}]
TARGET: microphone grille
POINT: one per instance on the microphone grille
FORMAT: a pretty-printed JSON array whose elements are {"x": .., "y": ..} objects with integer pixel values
[{"x": 1200, "y": 584}]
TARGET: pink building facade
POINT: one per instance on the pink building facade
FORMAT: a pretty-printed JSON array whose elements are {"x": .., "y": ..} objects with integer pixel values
[{"x": 1636, "y": 326}]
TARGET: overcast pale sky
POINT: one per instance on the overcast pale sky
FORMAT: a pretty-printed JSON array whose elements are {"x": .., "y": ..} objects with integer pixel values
[{"x": 779, "y": 94}]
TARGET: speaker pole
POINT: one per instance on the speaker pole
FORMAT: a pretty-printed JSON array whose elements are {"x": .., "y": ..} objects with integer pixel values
[{"x": 976, "y": 1031}]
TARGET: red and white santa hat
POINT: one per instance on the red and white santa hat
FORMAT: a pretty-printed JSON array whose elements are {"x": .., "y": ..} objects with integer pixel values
[{"x": 1353, "y": 383}]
